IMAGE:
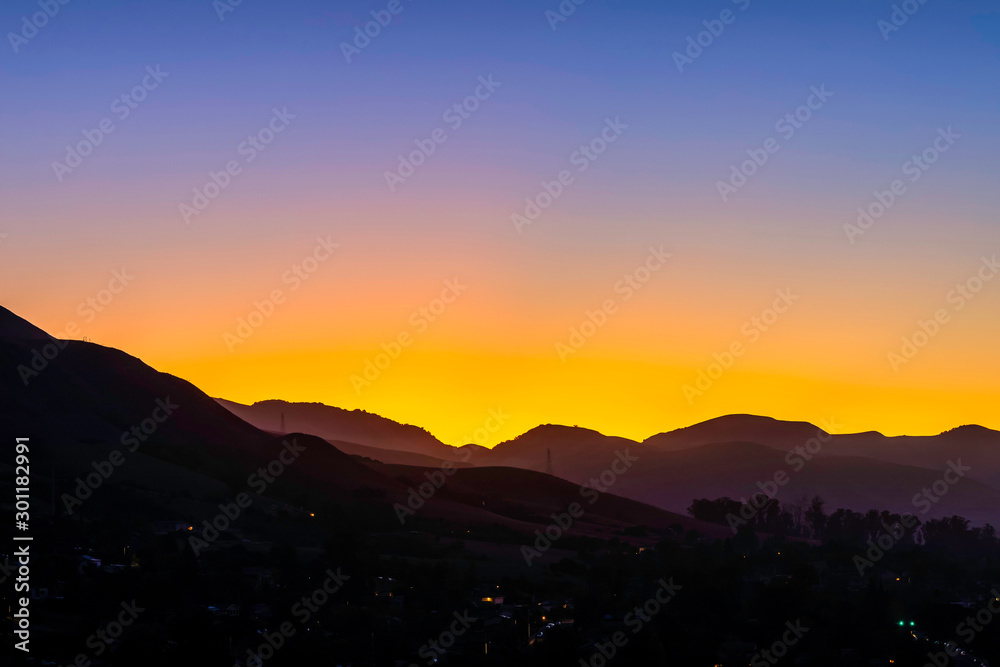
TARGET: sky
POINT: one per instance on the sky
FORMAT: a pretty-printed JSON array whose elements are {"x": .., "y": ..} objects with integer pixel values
[{"x": 640, "y": 215}]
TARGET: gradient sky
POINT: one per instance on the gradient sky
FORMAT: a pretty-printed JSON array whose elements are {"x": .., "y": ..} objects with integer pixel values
[{"x": 495, "y": 346}]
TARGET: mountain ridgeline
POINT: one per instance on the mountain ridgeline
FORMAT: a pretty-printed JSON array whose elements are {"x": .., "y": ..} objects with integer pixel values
[{"x": 734, "y": 455}]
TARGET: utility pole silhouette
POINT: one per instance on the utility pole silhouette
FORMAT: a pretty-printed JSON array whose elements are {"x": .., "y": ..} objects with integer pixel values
[
  {"x": 283, "y": 431},
  {"x": 548, "y": 461}
]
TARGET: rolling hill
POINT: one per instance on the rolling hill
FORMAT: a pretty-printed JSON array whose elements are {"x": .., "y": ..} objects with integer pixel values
[
  {"x": 728, "y": 456},
  {"x": 82, "y": 402}
]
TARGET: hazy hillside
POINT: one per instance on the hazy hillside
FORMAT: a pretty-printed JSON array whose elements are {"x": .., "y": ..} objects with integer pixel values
[
  {"x": 86, "y": 396},
  {"x": 584, "y": 447},
  {"x": 730, "y": 428},
  {"x": 978, "y": 447},
  {"x": 728, "y": 456},
  {"x": 77, "y": 408},
  {"x": 356, "y": 426},
  {"x": 530, "y": 495}
]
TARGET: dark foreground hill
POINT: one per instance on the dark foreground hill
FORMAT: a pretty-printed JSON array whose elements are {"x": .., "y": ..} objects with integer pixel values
[
  {"x": 739, "y": 455},
  {"x": 93, "y": 410}
]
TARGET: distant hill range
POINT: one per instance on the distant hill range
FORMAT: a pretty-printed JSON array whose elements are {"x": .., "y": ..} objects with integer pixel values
[
  {"x": 362, "y": 433},
  {"x": 76, "y": 399},
  {"x": 978, "y": 446},
  {"x": 729, "y": 456},
  {"x": 79, "y": 402}
]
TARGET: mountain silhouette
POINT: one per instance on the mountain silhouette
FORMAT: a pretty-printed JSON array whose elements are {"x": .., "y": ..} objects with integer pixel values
[
  {"x": 353, "y": 426},
  {"x": 83, "y": 397},
  {"x": 13, "y": 327},
  {"x": 730, "y": 455},
  {"x": 82, "y": 404}
]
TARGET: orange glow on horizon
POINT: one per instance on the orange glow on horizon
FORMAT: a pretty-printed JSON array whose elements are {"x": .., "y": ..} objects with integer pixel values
[
  {"x": 495, "y": 346},
  {"x": 453, "y": 394}
]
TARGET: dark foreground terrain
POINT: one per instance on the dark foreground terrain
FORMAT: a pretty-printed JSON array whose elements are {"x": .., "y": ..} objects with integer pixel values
[{"x": 166, "y": 530}]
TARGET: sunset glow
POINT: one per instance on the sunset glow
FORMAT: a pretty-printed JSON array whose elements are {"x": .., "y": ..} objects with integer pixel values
[{"x": 355, "y": 260}]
